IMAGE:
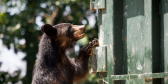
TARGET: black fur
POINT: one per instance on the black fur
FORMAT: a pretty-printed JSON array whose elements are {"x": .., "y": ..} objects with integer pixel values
[{"x": 52, "y": 65}]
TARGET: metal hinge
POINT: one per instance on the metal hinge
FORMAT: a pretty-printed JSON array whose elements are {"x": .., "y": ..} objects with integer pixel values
[
  {"x": 99, "y": 59},
  {"x": 97, "y": 4}
]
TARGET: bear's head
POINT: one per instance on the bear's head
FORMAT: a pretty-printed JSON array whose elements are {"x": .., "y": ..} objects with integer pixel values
[{"x": 64, "y": 34}]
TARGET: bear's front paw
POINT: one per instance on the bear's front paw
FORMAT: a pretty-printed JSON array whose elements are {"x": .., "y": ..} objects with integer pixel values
[
  {"x": 88, "y": 48},
  {"x": 95, "y": 43}
]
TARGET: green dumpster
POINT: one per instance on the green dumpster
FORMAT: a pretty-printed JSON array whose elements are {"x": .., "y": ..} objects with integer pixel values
[{"x": 133, "y": 37}]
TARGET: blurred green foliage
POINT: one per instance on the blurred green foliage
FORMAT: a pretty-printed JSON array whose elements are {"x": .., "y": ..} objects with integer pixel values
[
  {"x": 18, "y": 22},
  {"x": 5, "y": 77}
]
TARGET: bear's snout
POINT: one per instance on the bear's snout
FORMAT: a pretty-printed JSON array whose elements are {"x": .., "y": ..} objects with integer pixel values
[
  {"x": 78, "y": 27},
  {"x": 79, "y": 31}
]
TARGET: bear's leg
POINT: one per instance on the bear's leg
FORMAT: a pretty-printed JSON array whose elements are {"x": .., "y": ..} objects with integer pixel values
[{"x": 81, "y": 63}]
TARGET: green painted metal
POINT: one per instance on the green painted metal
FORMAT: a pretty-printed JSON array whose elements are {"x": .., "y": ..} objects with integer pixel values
[
  {"x": 118, "y": 39},
  {"x": 99, "y": 59},
  {"x": 135, "y": 33},
  {"x": 139, "y": 76},
  {"x": 105, "y": 24},
  {"x": 164, "y": 26},
  {"x": 148, "y": 38},
  {"x": 156, "y": 40},
  {"x": 135, "y": 43}
]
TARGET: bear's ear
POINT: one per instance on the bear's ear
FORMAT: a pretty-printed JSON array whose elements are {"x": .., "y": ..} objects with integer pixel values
[{"x": 48, "y": 29}]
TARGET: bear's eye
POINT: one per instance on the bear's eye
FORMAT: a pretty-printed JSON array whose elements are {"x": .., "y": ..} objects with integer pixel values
[{"x": 70, "y": 30}]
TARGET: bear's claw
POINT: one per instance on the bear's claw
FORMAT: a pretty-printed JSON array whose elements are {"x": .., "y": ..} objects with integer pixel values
[
  {"x": 95, "y": 42},
  {"x": 92, "y": 44}
]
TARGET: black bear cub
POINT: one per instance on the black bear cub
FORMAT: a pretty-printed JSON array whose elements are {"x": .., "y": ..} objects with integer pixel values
[{"x": 52, "y": 65}]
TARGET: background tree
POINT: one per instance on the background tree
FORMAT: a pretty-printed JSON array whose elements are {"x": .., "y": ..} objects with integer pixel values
[{"x": 18, "y": 22}]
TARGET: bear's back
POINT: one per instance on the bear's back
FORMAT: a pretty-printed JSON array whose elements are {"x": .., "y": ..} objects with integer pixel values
[{"x": 48, "y": 68}]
